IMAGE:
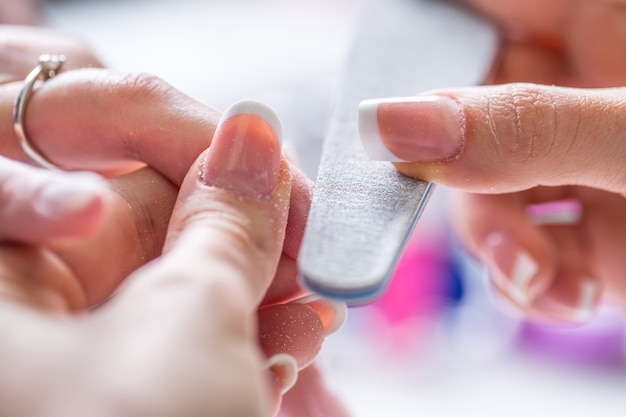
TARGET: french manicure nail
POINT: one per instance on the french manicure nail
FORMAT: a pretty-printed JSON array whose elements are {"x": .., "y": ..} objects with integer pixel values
[
  {"x": 422, "y": 128},
  {"x": 555, "y": 212},
  {"x": 245, "y": 153},
  {"x": 69, "y": 195},
  {"x": 588, "y": 298},
  {"x": 285, "y": 369},
  {"x": 512, "y": 267}
]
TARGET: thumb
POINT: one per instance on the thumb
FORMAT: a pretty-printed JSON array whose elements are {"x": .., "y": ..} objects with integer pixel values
[
  {"x": 230, "y": 217},
  {"x": 504, "y": 138},
  {"x": 227, "y": 227},
  {"x": 221, "y": 252}
]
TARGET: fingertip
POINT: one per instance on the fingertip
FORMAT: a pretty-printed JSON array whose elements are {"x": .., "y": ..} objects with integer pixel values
[
  {"x": 333, "y": 314},
  {"x": 511, "y": 267},
  {"x": 284, "y": 371},
  {"x": 245, "y": 155},
  {"x": 426, "y": 128},
  {"x": 369, "y": 132},
  {"x": 70, "y": 194},
  {"x": 74, "y": 203},
  {"x": 39, "y": 205},
  {"x": 574, "y": 298},
  {"x": 294, "y": 329}
]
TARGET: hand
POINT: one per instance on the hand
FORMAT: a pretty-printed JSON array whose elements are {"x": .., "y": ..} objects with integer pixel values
[
  {"x": 542, "y": 144},
  {"x": 76, "y": 120},
  {"x": 133, "y": 225},
  {"x": 197, "y": 303},
  {"x": 517, "y": 147}
]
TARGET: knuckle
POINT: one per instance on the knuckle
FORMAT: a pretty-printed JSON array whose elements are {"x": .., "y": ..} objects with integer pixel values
[
  {"x": 138, "y": 91},
  {"x": 141, "y": 86},
  {"x": 524, "y": 121}
]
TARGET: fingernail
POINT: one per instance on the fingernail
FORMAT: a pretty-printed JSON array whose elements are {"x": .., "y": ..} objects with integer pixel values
[
  {"x": 333, "y": 314},
  {"x": 512, "y": 267},
  {"x": 423, "y": 128},
  {"x": 555, "y": 212},
  {"x": 72, "y": 194},
  {"x": 245, "y": 153},
  {"x": 285, "y": 370},
  {"x": 588, "y": 298}
]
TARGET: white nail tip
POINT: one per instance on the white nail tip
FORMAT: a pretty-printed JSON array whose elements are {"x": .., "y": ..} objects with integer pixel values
[
  {"x": 258, "y": 109},
  {"x": 556, "y": 212},
  {"x": 286, "y": 369},
  {"x": 524, "y": 269},
  {"x": 340, "y": 318},
  {"x": 589, "y": 291},
  {"x": 369, "y": 133}
]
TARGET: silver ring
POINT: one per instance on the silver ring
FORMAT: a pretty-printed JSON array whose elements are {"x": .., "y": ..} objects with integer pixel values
[{"x": 49, "y": 66}]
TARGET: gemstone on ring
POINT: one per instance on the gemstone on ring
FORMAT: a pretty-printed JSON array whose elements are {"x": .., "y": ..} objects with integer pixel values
[{"x": 49, "y": 66}]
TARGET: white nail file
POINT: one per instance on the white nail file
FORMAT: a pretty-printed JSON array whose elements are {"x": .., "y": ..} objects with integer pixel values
[{"x": 363, "y": 212}]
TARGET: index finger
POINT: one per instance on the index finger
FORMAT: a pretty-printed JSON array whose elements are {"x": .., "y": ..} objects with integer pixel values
[{"x": 101, "y": 120}]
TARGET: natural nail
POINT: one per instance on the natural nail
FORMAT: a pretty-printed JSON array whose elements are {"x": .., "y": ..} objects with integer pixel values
[
  {"x": 423, "y": 128},
  {"x": 555, "y": 212},
  {"x": 69, "y": 195},
  {"x": 245, "y": 153},
  {"x": 285, "y": 369},
  {"x": 512, "y": 267},
  {"x": 332, "y": 313},
  {"x": 588, "y": 298}
]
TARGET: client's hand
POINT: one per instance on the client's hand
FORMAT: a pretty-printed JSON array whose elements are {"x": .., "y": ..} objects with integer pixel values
[{"x": 180, "y": 337}]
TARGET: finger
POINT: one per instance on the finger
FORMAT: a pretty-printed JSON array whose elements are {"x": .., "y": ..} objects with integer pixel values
[
  {"x": 291, "y": 329},
  {"x": 503, "y": 139},
  {"x": 519, "y": 256},
  {"x": 36, "y": 277},
  {"x": 132, "y": 233},
  {"x": 539, "y": 256},
  {"x": 298, "y": 328},
  {"x": 101, "y": 120},
  {"x": 37, "y": 206},
  {"x": 245, "y": 176},
  {"x": 21, "y": 47},
  {"x": 227, "y": 228},
  {"x": 573, "y": 297},
  {"x": 225, "y": 239},
  {"x": 285, "y": 286},
  {"x": 76, "y": 120}
]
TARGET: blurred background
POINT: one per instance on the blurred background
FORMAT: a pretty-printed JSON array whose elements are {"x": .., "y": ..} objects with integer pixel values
[{"x": 437, "y": 343}]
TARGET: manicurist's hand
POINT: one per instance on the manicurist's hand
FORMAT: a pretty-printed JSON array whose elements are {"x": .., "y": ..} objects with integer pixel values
[
  {"x": 541, "y": 166},
  {"x": 544, "y": 170}
]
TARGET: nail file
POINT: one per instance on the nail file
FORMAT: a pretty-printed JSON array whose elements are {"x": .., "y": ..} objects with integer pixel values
[{"x": 363, "y": 212}]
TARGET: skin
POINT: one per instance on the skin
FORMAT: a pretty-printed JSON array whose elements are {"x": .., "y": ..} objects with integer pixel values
[
  {"x": 20, "y": 12},
  {"x": 528, "y": 142},
  {"x": 56, "y": 272}
]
